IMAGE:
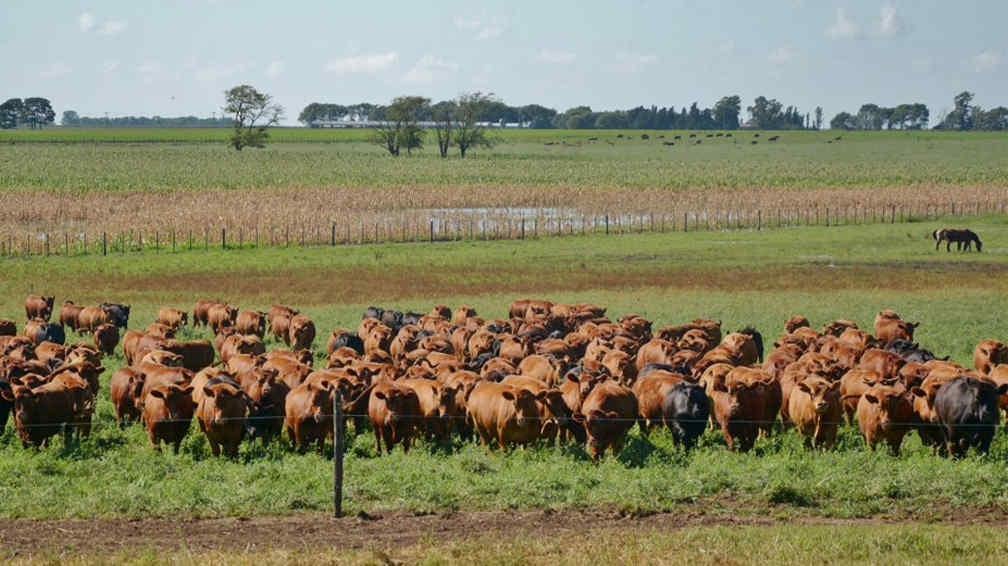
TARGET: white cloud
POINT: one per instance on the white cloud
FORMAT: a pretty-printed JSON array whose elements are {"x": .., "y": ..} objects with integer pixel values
[
  {"x": 371, "y": 63},
  {"x": 275, "y": 69},
  {"x": 485, "y": 29},
  {"x": 555, "y": 57},
  {"x": 633, "y": 62},
  {"x": 110, "y": 66},
  {"x": 889, "y": 24},
  {"x": 782, "y": 55},
  {"x": 843, "y": 27},
  {"x": 85, "y": 21},
  {"x": 428, "y": 68},
  {"x": 55, "y": 71},
  {"x": 112, "y": 27},
  {"x": 986, "y": 61}
]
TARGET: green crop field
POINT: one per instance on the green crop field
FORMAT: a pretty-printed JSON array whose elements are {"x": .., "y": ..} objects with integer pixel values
[{"x": 744, "y": 277}]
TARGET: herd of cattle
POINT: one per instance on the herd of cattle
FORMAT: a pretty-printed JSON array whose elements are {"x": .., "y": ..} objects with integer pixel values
[{"x": 554, "y": 372}]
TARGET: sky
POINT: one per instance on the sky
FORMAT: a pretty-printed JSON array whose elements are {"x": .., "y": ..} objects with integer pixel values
[{"x": 171, "y": 58}]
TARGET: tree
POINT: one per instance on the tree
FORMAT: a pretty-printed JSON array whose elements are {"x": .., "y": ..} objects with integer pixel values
[
  {"x": 252, "y": 113},
  {"x": 870, "y": 117},
  {"x": 961, "y": 118},
  {"x": 577, "y": 118},
  {"x": 469, "y": 109},
  {"x": 70, "y": 118},
  {"x": 818, "y": 117},
  {"x": 10, "y": 113},
  {"x": 37, "y": 112},
  {"x": 400, "y": 127},
  {"x": 536, "y": 116},
  {"x": 726, "y": 112},
  {"x": 611, "y": 121},
  {"x": 443, "y": 114},
  {"x": 843, "y": 121}
]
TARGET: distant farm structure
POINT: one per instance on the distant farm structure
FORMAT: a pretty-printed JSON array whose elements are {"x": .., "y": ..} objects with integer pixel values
[{"x": 362, "y": 121}]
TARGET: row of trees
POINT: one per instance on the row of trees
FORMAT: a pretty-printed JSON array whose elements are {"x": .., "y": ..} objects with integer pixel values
[
  {"x": 456, "y": 123},
  {"x": 70, "y": 118},
  {"x": 725, "y": 115},
  {"x": 915, "y": 116},
  {"x": 967, "y": 116},
  {"x": 34, "y": 112}
]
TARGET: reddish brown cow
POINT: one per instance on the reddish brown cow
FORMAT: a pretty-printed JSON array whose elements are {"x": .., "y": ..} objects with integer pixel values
[
  {"x": 167, "y": 412},
  {"x": 795, "y": 322},
  {"x": 251, "y": 322},
  {"x": 651, "y": 391},
  {"x": 196, "y": 354},
  {"x": 854, "y": 383},
  {"x": 308, "y": 415},
  {"x": 51, "y": 353},
  {"x": 125, "y": 392},
  {"x": 394, "y": 411},
  {"x": 503, "y": 413},
  {"x": 428, "y": 393},
  {"x": 885, "y": 363},
  {"x": 39, "y": 307},
  {"x": 91, "y": 318},
  {"x": 70, "y": 314},
  {"x": 65, "y": 404},
  {"x": 106, "y": 338},
  {"x": 610, "y": 410},
  {"x": 885, "y": 414},
  {"x": 988, "y": 354},
  {"x": 768, "y": 393},
  {"x": 221, "y": 315},
  {"x": 240, "y": 344},
  {"x": 201, "y": 312},
  {"x": 172, "y": 318},
  {"x": 737, "y": 408},
  {"x": 222, "y": 415},
  {"x": 302, "y": 333},
  {"x": 816, "y": 411},
  {"x": 159, "y": 330}
]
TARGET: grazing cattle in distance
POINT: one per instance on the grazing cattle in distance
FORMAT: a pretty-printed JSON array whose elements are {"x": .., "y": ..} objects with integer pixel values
[
  {"x": 816, "y": 411},
  {"x": 963, "y": 239},
  {"x": 39, "y": 307},
  {"x": 885, "y": 414},
  {"x": 70, "y": 314},
  {"x": 967, "y": 409}
]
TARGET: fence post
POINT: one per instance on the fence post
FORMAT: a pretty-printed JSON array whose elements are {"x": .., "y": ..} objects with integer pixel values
[
  {"x": 432, "y": 230},
  {"x": 607, "y": 224},
  {"x": 523, "y": 228},
  {"x": 759, "y": 220},
  {"x": 332, "y": 237},
  {"x": 337, "y": 454},
  {"x": 685, "y": 222},
  {"x": 223, "y": 238}
]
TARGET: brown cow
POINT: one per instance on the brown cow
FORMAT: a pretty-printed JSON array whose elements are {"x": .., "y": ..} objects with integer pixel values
[
  {"x": 308, "y": 415},
  {"x": 553, "y": 411},
  {"x": 51, "y": 353},
  {"x": 36, "y": 330},
  {"x": 106, "y": 338},
  {"x": 885, "y": 363},
  {"x": 455, "y": 387},
  {"x": 651, "y": 391},
  {"x": 428, "y": 394},
  {"x": 241, "y": 344},
  {"x": 543, "y": 368},
  {"x": 268, "y": 395},
  {"x": 885, "y": 413},
  {"x": 69, "y": 314},
  {"x": 768, "y": 392},
  {"x": 737, "y": 408},
  {"x": 889, "y": 327},
  {"x": 125, "y": 392},
  {"x": 222, "y": 415},
  {"x": 816, "y": 411},
  {"x": 172, "y": 318},
  {"x": 196, "y": 354},
  {"x": 302, "y": 333},
  {"x": 504, "y": 413},
  {"x": 201, "y": 312},
  {"x": 159, "y": 330},
  {"x": 41, "y": 412},
  {"x": 221, "y": 315},
  {"x": 795, "y": 322},
  {"x": 394, "y": 411},
  {"x": 988, "y": 354},
  {"x": 167, "y": 412},
  {"x": 39, "y": 307},
  {"x": 251, "y": 322},
  {"x": 655, "y": 351},
  {"x": 853, "y": 385},
  {"x": 610, "y": 411},
  {"x": 91, "y": 318}
]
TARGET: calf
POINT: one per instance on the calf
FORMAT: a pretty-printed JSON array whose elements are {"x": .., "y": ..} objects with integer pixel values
[
  {"x": 967, "y": 409},
  {"x": 222, "y": 415},
  {"x": 106, "y": 338},
  {"x": 685, "y": 411},
  {"x": 394, "y": 411},
  {"x": 167, "y": 412},
  {"x": 885, "y": 414},
  {"x": 816, "y": 410}
]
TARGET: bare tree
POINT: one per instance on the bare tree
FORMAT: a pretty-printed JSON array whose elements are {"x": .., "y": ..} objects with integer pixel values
[
  {"x": 468, "y": 131},
  {"x": 253, "y": 112}
]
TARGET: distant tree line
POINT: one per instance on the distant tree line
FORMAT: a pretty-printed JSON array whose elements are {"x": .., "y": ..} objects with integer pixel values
[
  {"x": 72, "y": 119},
  {"x": 726, "y": 114},
  {"x": 915, "y": 116},
  {"x": 34, "y": 112},
  {"x": 967, "y": 116}
]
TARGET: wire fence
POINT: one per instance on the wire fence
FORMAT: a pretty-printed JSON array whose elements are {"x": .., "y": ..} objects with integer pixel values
[{"x": 503, "y": 224}]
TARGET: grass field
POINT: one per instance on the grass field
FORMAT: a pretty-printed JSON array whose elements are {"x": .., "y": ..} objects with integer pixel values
[{"x": 740, "y": 277}]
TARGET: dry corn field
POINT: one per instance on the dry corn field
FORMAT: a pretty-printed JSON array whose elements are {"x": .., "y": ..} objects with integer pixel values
[{"x": 186, "y": 192}]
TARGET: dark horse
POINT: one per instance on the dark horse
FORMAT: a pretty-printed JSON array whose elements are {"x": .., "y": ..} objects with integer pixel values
[{"x": 963, "y": 239}]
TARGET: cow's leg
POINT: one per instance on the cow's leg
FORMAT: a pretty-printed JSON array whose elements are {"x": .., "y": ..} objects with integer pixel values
[{"x": 215, "y": 449}]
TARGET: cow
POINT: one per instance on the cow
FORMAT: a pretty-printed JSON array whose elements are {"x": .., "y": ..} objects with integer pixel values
[
  {"x": 220, "y": 316},
  {"x": 795, "y": 322},
  {"x": 738, "y": 410},
  {"x": 988, "y": 354},
  {"x": 41, "y": 412},
  {"x": 889, "y": 327},
  {"x": 167, "y": 412},
  {"x": 38, "y": 331},
  {"x": 172, "y": 318},
  {"x": 768, "y": 392},
  {"x": 91, "y": 318},
  {"x": 51, "y": 353},
  {"x": 685, "y": 412},
  {"x": 222, "y": 414},
  {"x": 125, "y": 391},
  {"x": 885, "y": 414},
  {"x": 201, "y": 312},
  {"x": 251, "y": 322},
  {"x": 70, "y": 314},
  {"x": 855, "y": 383},
  {"x": 967, "y": 410},
  {"x": 39, "y": 307},
  {"x": 609, "y": 411},
  {"x": 428, "y": 393},
  {"x": 308, "y": 415},
  {"x": 239, "y": 344},
  {"x": 8, "y": 327},
  {"x": 503, "y": 413},
  {"x": 343, "y": 339},
  {"x": 301, "y": 333},
  {"x": 106, "y": 338},
  {"x": 651, "y": 392},
  {"x": 554, "y": 414},
  {"x": 394, "y": 411},
  {"x": 816, "y": 410},
  {"x": 268, "y": 395},
  {"x": 159, "y": 330},
  {"x": 118, "y": 314},
  {"x": 887, "y": 364}
]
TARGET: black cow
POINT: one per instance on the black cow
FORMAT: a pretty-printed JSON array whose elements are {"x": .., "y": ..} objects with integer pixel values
[
  {"x": 118, "y": 314},
  {"x": 6, "y": 403},
  {"x": 967, "y": 410},
  {"x": 373, "y": 312},
  {"x": 347, "y": 340},
  {"x": 686, "y": 411},
  {"x": 911, "y": 351}
]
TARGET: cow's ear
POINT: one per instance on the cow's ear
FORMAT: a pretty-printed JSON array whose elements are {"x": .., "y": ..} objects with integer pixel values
[
  {"x": 1002, "y": 389},
  {"x": 918, "y": 392},
  {"x": 157, "y": 393},
  {"x": 870, "y": 398},
  {"x": 208, "y": 391},
  {"x": 508, "y": 395}
]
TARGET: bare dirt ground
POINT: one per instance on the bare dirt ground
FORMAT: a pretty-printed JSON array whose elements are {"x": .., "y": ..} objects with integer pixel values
[{"x": 20, "y": 538}]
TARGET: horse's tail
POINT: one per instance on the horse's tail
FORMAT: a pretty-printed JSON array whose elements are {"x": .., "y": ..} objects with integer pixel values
[{"x": 934, "y": 235}]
